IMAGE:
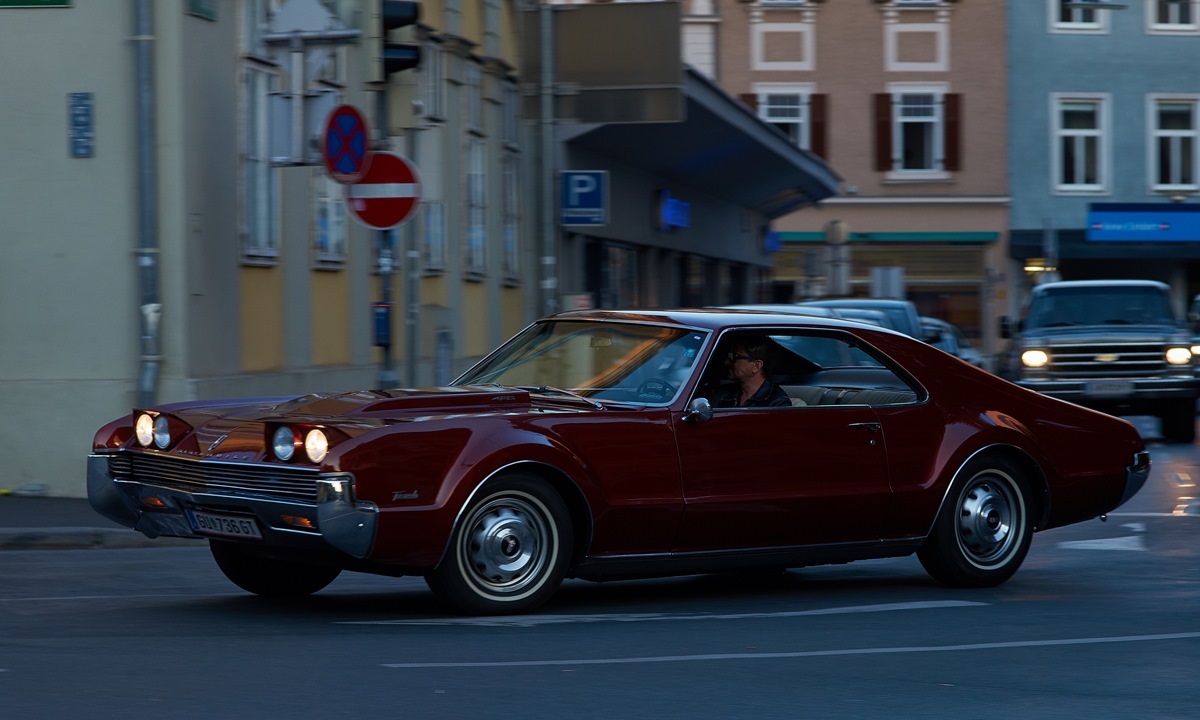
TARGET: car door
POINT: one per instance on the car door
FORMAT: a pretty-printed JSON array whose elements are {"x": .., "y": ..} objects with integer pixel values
[{"x": 780, "y": 477}]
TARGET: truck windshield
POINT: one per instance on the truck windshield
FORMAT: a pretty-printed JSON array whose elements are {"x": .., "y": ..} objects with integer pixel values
[{"x": 1133, "y": 305}]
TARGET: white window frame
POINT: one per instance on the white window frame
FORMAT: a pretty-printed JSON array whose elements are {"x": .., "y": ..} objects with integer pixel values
[
  {"x": 433, "y": 75},
  {"x": 937, "y": 130},
  {"x": 1176, "y": 138},
  {"x": 801, "y": 135},
  {"x": 1154, "y": 27},
  {"x": 433, "y": 236},
  {"x": 1086, "y": 21},
  {"x": 1059, "y": 135},
  {"x": 806, "y": 39},
  {"x": 940, "y": 33},
  {"x": 260, "y": 205},
  {"x": 329, "y": 225}
]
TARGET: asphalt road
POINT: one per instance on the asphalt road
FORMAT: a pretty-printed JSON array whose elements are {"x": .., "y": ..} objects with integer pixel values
[{"x": 1101, "y": 622}]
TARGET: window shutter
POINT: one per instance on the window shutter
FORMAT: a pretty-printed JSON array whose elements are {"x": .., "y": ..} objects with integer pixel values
[
  {"x": 883, "y": 132},
  {"x": 751, "y": 100},
  {"x": 818, "y": 104},
  {"x": 953, "y": 137}
]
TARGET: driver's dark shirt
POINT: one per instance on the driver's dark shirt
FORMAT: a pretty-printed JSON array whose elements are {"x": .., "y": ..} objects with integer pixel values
[{"x": 769, "y": 395}]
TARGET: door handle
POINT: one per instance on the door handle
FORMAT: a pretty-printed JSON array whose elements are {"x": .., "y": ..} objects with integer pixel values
[{"x": 871, "y": 427}]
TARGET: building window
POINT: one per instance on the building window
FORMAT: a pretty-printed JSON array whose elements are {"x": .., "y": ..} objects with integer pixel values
[
  {"x": 260, "y": 218},
  {"x": 1065, "y": 18},
  {"x": 474, "y": 90},
  {"x": 1079, "y": 135},
  {"x": 433, "y": 236},
  {"x": 432, "y": 76},
  {"x": 1173, "y": 16},
  {"x": 511, "y": 179},
  {"x": 787, "y": 111},
  {"x": 476, "y": 256},
  {"x": 511, "y": 110},
  {"x": 330, "y": 241},
  {"x": 1175, "y": 144},
  {"x": 917, "y": 131}
]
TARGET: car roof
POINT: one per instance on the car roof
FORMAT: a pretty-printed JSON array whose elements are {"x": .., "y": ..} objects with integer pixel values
[
  {"x": 1098, "y": 283},
  {"x": 858, "y": 302},
  {"x": 715, "y": 318}
]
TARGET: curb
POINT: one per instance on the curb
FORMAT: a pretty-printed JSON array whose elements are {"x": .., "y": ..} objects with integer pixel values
[{"x": 75, "y": 538}]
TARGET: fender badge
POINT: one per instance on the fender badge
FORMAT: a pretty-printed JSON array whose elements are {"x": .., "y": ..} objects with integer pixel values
[{"x": 405, "y": 495}]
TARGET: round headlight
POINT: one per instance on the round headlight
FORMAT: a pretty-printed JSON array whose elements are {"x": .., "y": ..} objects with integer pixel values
[
  {"x": 144, "y": 427},
  {"x": 316, "y": 444},
  {"x": 1035, "y": 358},
  {"x": 284, "y": 443},
  {"x": 1179, "y": 356},
  {"x": 162, "y": 432}
]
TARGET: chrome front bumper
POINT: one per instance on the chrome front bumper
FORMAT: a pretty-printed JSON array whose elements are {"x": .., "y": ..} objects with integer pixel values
[
  {"x": 1136, "y": 475},
  {"x": 339, "y": 520}
]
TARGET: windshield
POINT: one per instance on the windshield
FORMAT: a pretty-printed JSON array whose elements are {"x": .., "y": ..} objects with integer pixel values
[
  {"x": 600, "y": 360},
  {"x": 1133, "y": 305}
]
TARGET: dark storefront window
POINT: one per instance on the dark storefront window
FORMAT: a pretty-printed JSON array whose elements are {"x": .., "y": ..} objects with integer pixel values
[{"x": 612, "y": 272}]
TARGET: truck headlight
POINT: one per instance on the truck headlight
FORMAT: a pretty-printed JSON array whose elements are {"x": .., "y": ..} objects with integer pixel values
[
  {"x": 1179, "y": 356},
  {"x": 1034, "y": 358}
]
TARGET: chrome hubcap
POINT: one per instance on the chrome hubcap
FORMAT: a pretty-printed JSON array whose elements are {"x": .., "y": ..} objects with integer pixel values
[
  {"x": 989, "y": 521},
  {"x": 505, "y": 545}
]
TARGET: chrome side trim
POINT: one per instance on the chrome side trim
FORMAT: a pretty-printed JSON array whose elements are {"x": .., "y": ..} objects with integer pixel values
[{"x": 1136, "y": 475}]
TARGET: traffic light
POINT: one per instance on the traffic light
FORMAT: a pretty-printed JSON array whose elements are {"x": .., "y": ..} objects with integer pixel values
[{"x": 395, "y": 14}]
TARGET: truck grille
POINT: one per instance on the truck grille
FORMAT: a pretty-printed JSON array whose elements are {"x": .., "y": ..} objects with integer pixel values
[
  {"x": 206, "y": 476},
  {"x": 1108, "y": 360}
]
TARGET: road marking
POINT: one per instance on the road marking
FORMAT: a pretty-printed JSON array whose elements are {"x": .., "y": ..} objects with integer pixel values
[
  {"x": 795, "y": 655},
  {"x": 123, "y": 597},
  {"x": 538, "y": 620},
  {"x": 1132, "y": 542}
]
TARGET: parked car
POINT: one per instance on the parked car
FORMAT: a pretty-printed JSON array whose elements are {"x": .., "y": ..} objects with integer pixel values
[
  {"x": 588, "y": 447},
  {"x": 946, "y": 336},
  {"x": 902, "y": 313},
  {"x": 867, "y": 315}
]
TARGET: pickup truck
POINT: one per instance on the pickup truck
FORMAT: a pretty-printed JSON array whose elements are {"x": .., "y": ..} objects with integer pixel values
[{"x": 1112, "y": 345}]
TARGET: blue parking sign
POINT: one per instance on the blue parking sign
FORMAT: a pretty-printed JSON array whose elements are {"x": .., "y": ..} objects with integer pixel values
[{"x": 583, "y": 197}]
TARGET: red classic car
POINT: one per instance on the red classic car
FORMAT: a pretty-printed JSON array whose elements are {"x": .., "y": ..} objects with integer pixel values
[{"x": 589, "y": 446}]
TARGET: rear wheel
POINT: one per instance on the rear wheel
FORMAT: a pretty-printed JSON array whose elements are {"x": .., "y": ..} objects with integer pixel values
[
  {"x": 267, "y": 576},
  {"x": 509, "y": 552},
  {"x": 984, "y": 529}
]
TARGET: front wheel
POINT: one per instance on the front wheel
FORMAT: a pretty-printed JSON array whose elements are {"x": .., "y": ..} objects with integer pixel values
[
  {"x": 509, "y": 552},
  {"x": 269, "y": 577},
  {"x": 983, "y": 531}
]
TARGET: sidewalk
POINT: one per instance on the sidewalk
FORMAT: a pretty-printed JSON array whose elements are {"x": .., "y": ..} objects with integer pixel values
[{"x": 50, "y": 523}]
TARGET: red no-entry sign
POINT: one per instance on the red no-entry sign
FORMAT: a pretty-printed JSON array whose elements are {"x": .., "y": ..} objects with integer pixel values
[{"x": 388, "y": 194}]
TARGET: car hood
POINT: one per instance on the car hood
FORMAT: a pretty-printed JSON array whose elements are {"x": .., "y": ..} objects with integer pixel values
[
  {"x": 347, "y": 407},
  {"x": 1068, "y": 334}
]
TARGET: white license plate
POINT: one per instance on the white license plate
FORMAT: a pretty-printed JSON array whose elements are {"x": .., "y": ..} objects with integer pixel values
[
  {"x": 1109, "y": 388},
  {"x": 223, "y": 525}
]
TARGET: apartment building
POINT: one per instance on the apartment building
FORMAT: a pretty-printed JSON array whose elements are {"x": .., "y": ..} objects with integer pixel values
[
  {"x": 906, "y": 99},
  {"x": 1104, "y": 142}
]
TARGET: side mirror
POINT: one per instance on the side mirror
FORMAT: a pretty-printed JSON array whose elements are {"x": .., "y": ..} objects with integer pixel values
[{"x": 700, "y": 411}]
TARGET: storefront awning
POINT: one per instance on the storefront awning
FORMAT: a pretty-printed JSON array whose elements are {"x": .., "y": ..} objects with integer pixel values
[{"x": 721, "y": 148}]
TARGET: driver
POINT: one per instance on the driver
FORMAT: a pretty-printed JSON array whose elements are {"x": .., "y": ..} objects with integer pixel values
[{"x": 747, "y": 365}]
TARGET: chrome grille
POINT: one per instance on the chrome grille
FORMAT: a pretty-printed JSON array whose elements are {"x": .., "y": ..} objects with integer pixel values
[
  {"x": 1121, "y": 360},
  {"x": 206, "y": 476}
]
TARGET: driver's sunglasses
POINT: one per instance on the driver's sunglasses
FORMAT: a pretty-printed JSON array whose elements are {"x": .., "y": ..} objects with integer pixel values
[{"x": 734, "y": 357}]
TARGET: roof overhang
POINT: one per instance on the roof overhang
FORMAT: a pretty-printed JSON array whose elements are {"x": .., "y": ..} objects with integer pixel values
[{"x": 720, "y": 148}]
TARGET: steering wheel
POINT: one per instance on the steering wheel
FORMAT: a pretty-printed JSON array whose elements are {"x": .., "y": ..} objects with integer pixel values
[{"x": 656, "y": 388}]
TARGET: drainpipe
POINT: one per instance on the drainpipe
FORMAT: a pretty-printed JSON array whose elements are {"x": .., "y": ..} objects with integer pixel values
[{"x": 149, "y": 304}]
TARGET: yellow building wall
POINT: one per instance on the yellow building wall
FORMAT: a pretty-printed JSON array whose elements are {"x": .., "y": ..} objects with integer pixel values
[
  {"x": 512, "y": 312},
  {"x": 475, "y": 318},
  {"x": 261, "y": 331},
  {"x": 331, "y": 318}
]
